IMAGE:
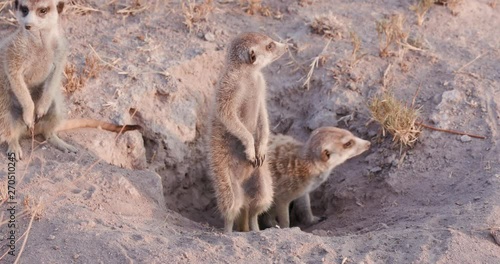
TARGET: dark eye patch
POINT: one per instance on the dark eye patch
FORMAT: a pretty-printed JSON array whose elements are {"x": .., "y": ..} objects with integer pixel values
[
  {"x": 43, "y": 11},
  {"x": 270, "y": 46},
  {"x": 24, "y": 10},
  {"x": 349, "y": 144}
]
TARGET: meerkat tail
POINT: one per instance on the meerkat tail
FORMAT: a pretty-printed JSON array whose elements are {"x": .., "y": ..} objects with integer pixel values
[{"x": 92, "y": 123}]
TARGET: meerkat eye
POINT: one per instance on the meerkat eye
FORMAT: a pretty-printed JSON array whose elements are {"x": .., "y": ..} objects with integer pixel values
[
  {"x": 270, "y": 46},
  {"x": 349, "y": 144},
  {"x": 43, "y": 11},
  {"x": 25, "y": 10}
]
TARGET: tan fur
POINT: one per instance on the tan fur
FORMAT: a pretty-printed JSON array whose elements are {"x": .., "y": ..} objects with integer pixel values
[
  {"x": 31, "y": 65},
  {"x": 298, "y": 168},
  {"x": 240, "y": 130}
]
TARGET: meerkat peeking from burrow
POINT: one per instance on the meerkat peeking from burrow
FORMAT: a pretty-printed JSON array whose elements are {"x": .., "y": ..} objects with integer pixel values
[
  {"x": 240, "y": 130},
  {"x": 299, "y": 168},
  {"x": 32, "y": 60}
]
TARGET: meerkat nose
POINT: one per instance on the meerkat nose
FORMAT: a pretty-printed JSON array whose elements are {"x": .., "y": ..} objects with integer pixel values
[{"x": 28, "y": 27}]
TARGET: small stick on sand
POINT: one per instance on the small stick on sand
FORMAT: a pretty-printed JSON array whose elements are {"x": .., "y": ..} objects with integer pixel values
[
  {"x": 470, "y": 62},
  {"x": 26, "y": 239},
  {"x": 449, "y": 131}
]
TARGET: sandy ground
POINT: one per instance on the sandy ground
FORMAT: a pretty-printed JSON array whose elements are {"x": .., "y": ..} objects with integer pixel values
[{"x": 146, "y": 198}]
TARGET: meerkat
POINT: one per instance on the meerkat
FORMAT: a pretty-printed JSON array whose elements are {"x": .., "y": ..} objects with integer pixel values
[
  {"x": 240, "y": 130},
  {"x": 299, "y": 168},
  {"x": 32, "y": 59}
]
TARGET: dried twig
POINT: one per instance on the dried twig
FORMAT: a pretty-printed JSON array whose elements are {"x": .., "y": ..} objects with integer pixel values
[
  {"x": 314, "y": 64},
  {"x": 470, "y": 62},
  {"x": 449, "y": 131},
  {"x": 25, "y": 239}
]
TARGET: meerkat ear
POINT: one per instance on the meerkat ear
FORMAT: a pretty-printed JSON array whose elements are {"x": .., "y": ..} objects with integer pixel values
[
  {"x": 60, "y": 7},
  {"x": 16, "y": 5},
  {"x": 325, "y": 155},
  {"x": 251, "y": 56}
]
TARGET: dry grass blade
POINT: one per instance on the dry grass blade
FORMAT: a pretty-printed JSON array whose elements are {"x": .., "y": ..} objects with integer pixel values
[
  {"x": 131, "y": 10},
  {"x": 4, "y": 190},
  {"x": 4, "y": 4},
  {"x": 25, "y": 239},
  {"x": 81, "y": 8},
  {"x": 396, "y": 118},
  {"x": 356, "y": 47},
  {"x": 10, "y": 19},
  {"x": 314, "y": 64},
  {"x": 421, "y": 9}
]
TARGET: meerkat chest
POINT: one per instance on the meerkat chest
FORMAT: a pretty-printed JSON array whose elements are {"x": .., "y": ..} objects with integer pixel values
[
  {"x": 253, "y": 89},
  {"x": 315, "y": 182},
  {"x": 39, "y": 66}
]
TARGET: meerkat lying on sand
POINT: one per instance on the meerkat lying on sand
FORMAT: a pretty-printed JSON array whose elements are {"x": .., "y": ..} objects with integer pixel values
[
  {"x": 32, "y": 60},
  {"x": 299, "y": 168},
  {"x": 240, "y": 131}
]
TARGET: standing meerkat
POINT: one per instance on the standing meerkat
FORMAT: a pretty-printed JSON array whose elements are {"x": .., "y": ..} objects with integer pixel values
[
  {"x": 240, "y": 130},
  {"x": 32, "y": 60},
  {"x": 299, "y": 168}
]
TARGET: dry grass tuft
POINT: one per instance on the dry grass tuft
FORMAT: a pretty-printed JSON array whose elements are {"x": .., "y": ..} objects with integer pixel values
[
  {"x": 80, "y": 7},
  {"x": 356, "y": 56},
  {"x": 131, "y": 9},
  {"x": 34, "y": 208},
  {"x": 76, "y": 80},
  {"x": 253, "y": 7},
  {"x": 396, "y": 118},
  {"x": 327, "y": 26},
  {"x": 195, "y": 13},
  {"x": 73, "y": 80},
  {"x": 390, "y": 31},
  {"x": 421, "y": 9}
]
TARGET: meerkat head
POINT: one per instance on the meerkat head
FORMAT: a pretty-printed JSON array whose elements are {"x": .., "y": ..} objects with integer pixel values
[
  {"x": 255, "y": 50},
  {"x": 38, "y": 14},
  {"x": 331, "y": 146}
]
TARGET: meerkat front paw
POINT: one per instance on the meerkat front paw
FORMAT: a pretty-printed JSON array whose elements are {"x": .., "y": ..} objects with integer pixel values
[
  {"x": 250, "y": 154},
  {"x": 28, "y": 116},
  {"x": 261, "y": 154},
  {"x": 41, "y": 110}
]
